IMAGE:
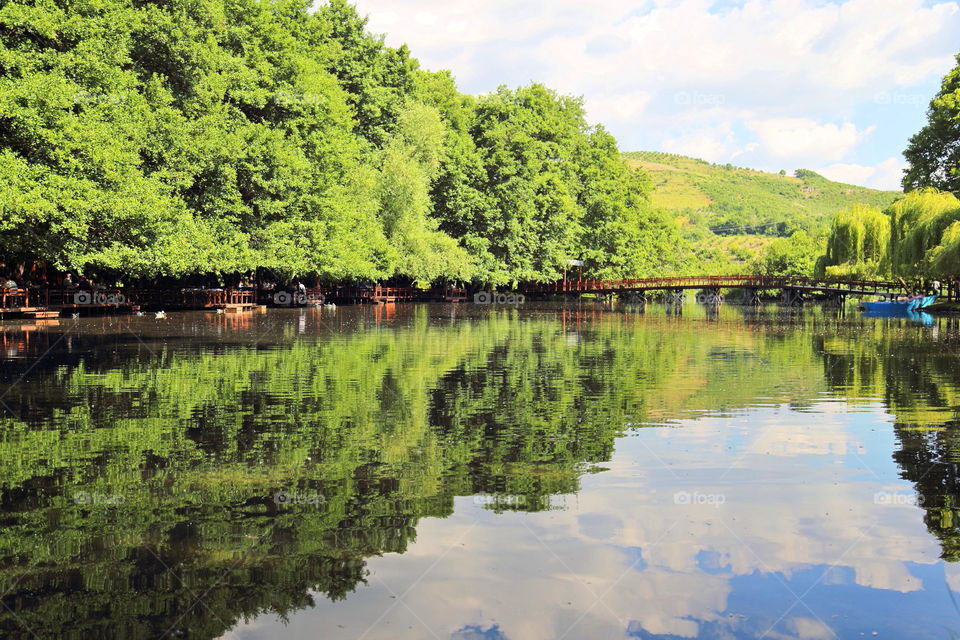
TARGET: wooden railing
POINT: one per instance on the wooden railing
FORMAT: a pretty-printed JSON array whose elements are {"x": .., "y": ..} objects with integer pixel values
[
  {"x": 207, "y": 298},
  {"x": 9, "y": 297},
  {"x": 42, "y": 297},
  {"x": 712, "y": 282}
]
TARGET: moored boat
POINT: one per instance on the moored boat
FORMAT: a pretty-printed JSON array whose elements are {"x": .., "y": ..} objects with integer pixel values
[{"x": 906, "y": 304}]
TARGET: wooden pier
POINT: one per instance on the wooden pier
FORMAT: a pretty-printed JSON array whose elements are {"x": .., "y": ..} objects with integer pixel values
[{"x": 46, "y": 303}]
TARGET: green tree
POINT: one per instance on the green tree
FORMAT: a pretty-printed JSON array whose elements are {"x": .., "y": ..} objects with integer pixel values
[
  {"x": 917, "y": 223},
  {"x": 858, "y": 243},
  {"x": 793, "y": 256},
  {"x": 217, "y": 137}
]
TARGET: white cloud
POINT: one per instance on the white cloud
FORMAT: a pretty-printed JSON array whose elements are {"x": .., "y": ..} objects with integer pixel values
[
  {"x": 800, "y": 71},
  {"x": 621, "y": 107},
  {"x": 713, "y": 144},
  {"x": 885, "y": 175},
  {"x": 802, "y": 139},
  {"x": 848, "y": 173}
]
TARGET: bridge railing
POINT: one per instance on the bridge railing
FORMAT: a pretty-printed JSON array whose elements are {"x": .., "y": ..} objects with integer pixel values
[{"x": 692, "y": 282}]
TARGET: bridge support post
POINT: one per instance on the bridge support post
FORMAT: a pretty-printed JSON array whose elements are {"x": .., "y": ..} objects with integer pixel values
[
  {"x": 674, "y": 296},
  {"x": 711, "y": 297},
  {"x": 792, "y": 298},
  {"x": 751, "y": 296},
  {"x": 838, "y": 300}
]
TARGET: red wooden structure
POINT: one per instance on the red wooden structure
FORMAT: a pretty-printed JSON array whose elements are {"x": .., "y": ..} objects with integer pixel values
[{"x": 834, "y": 286}]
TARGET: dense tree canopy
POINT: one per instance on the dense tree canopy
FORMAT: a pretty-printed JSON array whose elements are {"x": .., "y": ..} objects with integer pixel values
[
  {"x": 793, "y": 256},
  {"x": 220, "y": 136}
]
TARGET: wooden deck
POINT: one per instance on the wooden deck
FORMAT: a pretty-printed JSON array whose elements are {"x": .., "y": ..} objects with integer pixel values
[
  {"x": 36, "y": 302},
  {"x": 44, "y": 302}
]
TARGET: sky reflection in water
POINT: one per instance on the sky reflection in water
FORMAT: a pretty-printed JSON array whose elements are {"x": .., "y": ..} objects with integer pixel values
[{"x": 482, "y": 473}]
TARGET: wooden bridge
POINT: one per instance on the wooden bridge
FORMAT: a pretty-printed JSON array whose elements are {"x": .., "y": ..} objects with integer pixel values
[{"x": 793, "y": 288}]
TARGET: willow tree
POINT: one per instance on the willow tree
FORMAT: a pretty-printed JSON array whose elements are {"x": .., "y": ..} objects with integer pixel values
[
  {"x": 858, "y": 242},
  {"x": 410, "y": 161},
  {"x": 945, "y": 257},
  {"x": 917, "y": 223}
]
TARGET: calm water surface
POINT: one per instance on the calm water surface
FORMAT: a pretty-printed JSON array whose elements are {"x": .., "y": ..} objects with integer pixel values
[{"x": 472, "y": 472}]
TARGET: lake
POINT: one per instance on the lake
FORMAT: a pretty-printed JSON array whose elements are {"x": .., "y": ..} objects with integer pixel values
[{"x": 481, "y": 472}]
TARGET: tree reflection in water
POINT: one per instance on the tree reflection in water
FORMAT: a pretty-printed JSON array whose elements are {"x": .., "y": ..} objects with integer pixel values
[{"x": 173, "y": 480}]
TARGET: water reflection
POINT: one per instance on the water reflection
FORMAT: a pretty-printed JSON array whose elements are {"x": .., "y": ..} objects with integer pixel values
[{"x": 480, "y": 473}]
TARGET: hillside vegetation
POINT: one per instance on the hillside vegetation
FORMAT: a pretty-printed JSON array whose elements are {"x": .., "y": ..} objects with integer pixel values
[
  {"x": 732, "y": 200},
  {"x": 733, "y": 215}
]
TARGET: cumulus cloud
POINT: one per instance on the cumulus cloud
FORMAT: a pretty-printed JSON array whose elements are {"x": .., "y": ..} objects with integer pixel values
[
  {"x": 802, "y": 139},
  {"x": 797, "y": 71},
  {"x": 619, "y": 107},
  {"x": 711, "y": 143},
  {"x": 885, "y": 175}
]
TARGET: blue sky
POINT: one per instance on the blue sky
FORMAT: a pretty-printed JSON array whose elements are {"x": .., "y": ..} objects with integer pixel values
[{"x": 834, "y": 86}]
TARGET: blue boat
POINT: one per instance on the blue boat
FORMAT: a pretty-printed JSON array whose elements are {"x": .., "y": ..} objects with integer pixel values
[
  {"x": 902, "y": 304},
  {"x": 915, "y": 317}
]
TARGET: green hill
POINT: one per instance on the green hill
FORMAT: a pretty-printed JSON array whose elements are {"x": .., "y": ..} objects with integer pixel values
[
  {"x": 731, "y": 214},
  {"x": 733, "y": 200}
]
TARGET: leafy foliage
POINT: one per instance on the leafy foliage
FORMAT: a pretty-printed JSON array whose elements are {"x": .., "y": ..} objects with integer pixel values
[
  {"x": 216, "y": 136},
  {"x": 859, "y": 242},
  {"x": 793, "y": 256},
  {"x": 915, "y": 236},
  {"x": 922, "y": 228}
]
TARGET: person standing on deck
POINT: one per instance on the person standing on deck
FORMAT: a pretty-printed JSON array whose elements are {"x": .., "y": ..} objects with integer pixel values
[{"x": 936, "y": 287}]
